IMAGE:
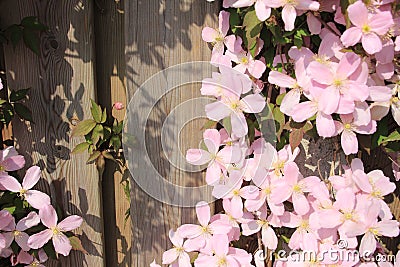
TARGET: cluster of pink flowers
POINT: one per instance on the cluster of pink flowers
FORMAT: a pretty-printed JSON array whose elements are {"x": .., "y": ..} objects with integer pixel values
[
  {"x": 16, "y": 243},
  {"x": 347, "y": 86}
]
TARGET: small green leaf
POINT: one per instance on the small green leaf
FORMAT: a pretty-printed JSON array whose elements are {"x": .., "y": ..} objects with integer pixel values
[
  {"x": 80, "y": 148},
  {"x": 94, "y": 156},
  {"x": 18, "y": 95},
  {"x": 97, "y": 133},
  {"x": 83, "y": 127},
  {"x": 116, "y": 142},
  {"x": 77, "y": 244},
  {"x": 2, "y": 101},
  {"x": 209, "y": 124},
  {"x": 96, "y": 111},
  {"x": 10, "y": 209},
  {"x": 33, "y": 23},
  {"x": 23, "y": 112},
  {"x": 394, "y": 136},
  {"x": 104, "y": 116},
  {"x": 279, "y": 99},
  {"x": 15, "y": 34},
  {"x": 31, "y": 40}
]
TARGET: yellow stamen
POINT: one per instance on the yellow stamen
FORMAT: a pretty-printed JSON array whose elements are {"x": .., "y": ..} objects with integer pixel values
[{"x": 366, "y": 28}]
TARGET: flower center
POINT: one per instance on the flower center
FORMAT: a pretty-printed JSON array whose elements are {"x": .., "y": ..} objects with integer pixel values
[
  {"x": 206, "y": 229},
  {"x": 338, "y": 83},
  {"x": 267, "y": 190},
  {"x": 22, "y": 192},
  {"x": 374, "y": 231},
  {"x": 366, "y": 28},
  {"x": 222, "y": 262},
  {"x": 236, "y": 192},
  {"x": 394, "y": 100},
  {"x": 347, "y": 126},
  {"x": 2, "y": 168},
  {"x": 279, "y": 166},
  {"x": 244, "y": 60},
  {"x": 55, "y": 230},
  {"x": 297, "y": 188},
  {"x": 16, "y": 233},
  {"x": 304, "y": 225}
]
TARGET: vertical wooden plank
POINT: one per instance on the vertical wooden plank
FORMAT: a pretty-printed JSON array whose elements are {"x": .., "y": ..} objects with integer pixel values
[
  {"x": 110, "y": 75},
  {"x": 62, "y": 82},
  {"x": 159, "y": 34}
]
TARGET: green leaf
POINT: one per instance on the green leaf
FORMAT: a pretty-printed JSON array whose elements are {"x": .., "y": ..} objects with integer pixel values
[
  {"x": 104, "y": 116},
  {"x": 394, "y": 136},
  {"x": 97, "y": 133},
  {"x": 279, "y": 118},
  {"x": 117, "y": 127},
  {"x": 209, "y": 124},
  {"x": 33, "y": 23},
  {"x": 279, "y": 99},
  {"x": 2, "y": 101},
  {"x": 31, "y": 40},
  {"x": 84, "y": 127},
  {"x": 80, "y": 148},
  {"x": 77, "y": 244},
  {"x": 253, "y": 27},
  {"x": 10, "y": 209},
  {"x": 94, "y": 156},
  {"x": 116, "y": 142},
  {"x": 18, "y": 95},
  {"x": 15, "y": 34},
  {"x": 23, "y": 112},
  {"x": 96, "y": 111}
]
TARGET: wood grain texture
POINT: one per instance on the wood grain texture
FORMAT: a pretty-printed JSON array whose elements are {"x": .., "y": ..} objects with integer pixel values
[
  {"x": 62, "y": 82},
  {"x": 110, "y": 75},
  {"x": 159, "y": 34}
]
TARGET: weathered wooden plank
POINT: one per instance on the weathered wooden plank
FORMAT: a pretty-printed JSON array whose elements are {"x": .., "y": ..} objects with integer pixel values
[
  {"x": 62, "y": 82},
  {"x": 159, "y": 34},
  {"x": 110, "y": 75}
]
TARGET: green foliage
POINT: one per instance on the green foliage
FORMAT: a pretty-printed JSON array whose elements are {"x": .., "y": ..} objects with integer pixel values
[{"x": 28, "y": 30}]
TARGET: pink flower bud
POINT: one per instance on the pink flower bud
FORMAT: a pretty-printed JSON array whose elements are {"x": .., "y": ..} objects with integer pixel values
[{"x": 118, "y": 105}]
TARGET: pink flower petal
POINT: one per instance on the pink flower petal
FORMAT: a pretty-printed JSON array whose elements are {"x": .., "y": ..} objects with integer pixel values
[
  {"x": 38, "y": 240},
  {"x": 61, "y": 244},
  {"x": 371, "y": 43},
  {"x": 37, "y": 199},
  {"x": 358, "y": 14},
  {"x": 32, "y": 176},
  {"x": 351, "y": 36},
  {"x": 349, "y": 142},
  {"x": 13, "y": 163},
  {"x": 198, "y": 156},
  {"x": 10, "y": 183},
  {"x": 48, "y": 216},
  {"x": 203, "y": 213},
  {"x": 70, "y": 223},
  {"x": 289, "y": 16},
  {"x": 280, "y": 79}
]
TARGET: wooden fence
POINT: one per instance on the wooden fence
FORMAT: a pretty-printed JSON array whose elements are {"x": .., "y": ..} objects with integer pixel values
[{"x": 103, "y": 50}]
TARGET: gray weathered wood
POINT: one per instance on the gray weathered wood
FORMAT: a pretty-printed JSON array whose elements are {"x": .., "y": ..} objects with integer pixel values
[{"x": 62, "y": 82}]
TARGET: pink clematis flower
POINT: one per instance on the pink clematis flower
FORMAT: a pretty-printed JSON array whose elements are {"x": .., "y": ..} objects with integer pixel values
[
  {"x": 224, "y": 256},
  {"x": 340, "y": 90},
  {"x": 199, "y": 235},
  {"x": 26, "y": 258},
  {"x": 55, "y": 231},
  {"x": 231, "y": 105},
  {"x": 289, "y": 12},
  {"x": 217, "y": 36},
  {"x": 178, "y": 253},
  {"x": 297, "y": 86},
  {"x": 307, "y": 109},
  {"x": 348, "y": 129},
  {"x": 268, "y": 236},
  {"x": 367, "y": 27},
  {"x": 216, "y": 159},
  {"x": 154, "y": 264},
  {"x": 10, "y": 160},
  {"x": 245, "y": 62},
  {"x": 35, "y": 198},
  {"x": 16, "y": 231},
  {"x": 294, "y": 186},
  {"x": 372, "y": 229}
]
